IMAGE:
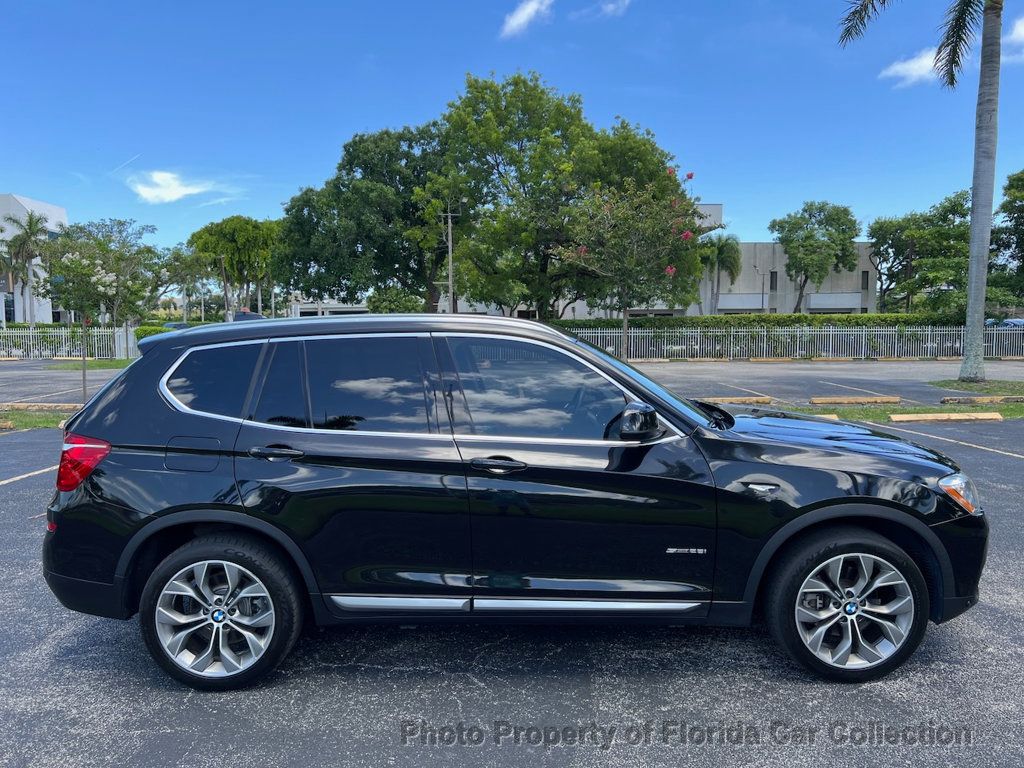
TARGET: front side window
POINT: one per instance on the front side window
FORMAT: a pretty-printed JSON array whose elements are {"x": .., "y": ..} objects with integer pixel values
[
  {"x": 367, "y": 384},
  {"x": 215, "y": 380},
  {"x": 519, "y": 389}
]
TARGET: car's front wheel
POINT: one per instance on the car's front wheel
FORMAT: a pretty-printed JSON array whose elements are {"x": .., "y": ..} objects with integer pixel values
[
  {"x": 220, "y": 612},
  {"x": 848, "y": 604}
]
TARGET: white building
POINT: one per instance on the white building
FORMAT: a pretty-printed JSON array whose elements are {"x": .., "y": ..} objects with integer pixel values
[{"x": 15, "y": 296}]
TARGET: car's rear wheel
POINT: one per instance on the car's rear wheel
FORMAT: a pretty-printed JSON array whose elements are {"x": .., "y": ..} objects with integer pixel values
[
  {"x": 220, "y": 612},
  {"x": 848, "y": 604}
]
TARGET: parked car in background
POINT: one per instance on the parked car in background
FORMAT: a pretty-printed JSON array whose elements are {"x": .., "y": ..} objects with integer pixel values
[
  {"x": 245, "y": 314},
  {"x": 241, "y": 477},
  {"x": 176, "y": 325}
]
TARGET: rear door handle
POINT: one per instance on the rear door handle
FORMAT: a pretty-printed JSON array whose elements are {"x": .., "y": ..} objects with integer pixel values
[
  {"x": 275, "y": 453},
  {"x": 498, "y": 465}
]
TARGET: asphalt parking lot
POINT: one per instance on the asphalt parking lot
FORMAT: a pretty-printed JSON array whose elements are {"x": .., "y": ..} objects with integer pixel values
[{"x": 78, "y": 690}]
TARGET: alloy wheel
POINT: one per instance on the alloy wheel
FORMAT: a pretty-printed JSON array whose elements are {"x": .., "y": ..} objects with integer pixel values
[
  {"x": 854, "y": 611},
  {"x": 214, "y": 618}
]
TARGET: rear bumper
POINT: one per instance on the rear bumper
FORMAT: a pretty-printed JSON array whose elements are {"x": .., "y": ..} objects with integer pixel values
[{"x": 93, "y": 597}]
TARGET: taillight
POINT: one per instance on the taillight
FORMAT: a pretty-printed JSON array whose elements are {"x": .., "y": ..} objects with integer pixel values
[{"x": 78, "y": 458}]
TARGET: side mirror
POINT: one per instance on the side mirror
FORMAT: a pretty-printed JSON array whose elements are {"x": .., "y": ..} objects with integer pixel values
[{"x": 639, "y": 421}]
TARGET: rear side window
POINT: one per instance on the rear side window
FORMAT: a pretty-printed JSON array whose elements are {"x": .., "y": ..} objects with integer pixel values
[
  {"x": 283, "y": 400},
  {"x": 369, "y": 384},
  {"x": 215, "y": 380}
]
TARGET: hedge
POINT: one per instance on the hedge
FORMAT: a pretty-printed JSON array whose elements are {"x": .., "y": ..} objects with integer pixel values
[
  {"x": 770, "y": 321},
  {"x": 150, "y": 330}
]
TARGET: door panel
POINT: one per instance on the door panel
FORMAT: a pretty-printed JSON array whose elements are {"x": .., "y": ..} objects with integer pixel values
[
  {"x": 375, "y": 495},
  {"x": 380, "y": 515},
  {"x": 592, "y": 521},
  {"x": 558, "y": 510}
]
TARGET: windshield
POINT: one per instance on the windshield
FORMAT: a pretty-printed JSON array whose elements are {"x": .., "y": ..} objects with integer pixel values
[{"x": 684, "y": 406}]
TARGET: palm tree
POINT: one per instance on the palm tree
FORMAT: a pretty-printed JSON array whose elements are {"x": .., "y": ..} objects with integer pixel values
[
  {"x": 23, "y": 249},
  {"x": 721, "y": 253},
  {"x": 5, "y": 267},
  {"x": 961, "y": 24}
]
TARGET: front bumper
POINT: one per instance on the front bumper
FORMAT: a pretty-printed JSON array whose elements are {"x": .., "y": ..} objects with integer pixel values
[{"x": 965, "y": 540}]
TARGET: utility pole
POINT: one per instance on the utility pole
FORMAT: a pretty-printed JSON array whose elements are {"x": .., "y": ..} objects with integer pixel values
[
  {"x": 452, "y": 301},
  {"x": 758, "y": 270}
]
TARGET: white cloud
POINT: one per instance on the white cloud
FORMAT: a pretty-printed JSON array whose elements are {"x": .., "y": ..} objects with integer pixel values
[
  {"x": 917, "y": 69},
  {"x": 525, "y": 14},
  {"x": 1013, "y": 43},
  {"x": 156, "y": 187},
  {"x": 614, "y": 7},
  {"x": 1016, "y": 36}
]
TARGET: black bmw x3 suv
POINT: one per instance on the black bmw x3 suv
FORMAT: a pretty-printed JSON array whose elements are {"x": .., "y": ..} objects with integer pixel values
[{"x": 238, "y": 479}]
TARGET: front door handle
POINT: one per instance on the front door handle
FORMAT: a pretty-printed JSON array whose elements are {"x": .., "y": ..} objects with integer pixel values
[
  {"x": 497, "y": 465},
  {"x": 275, "y": 453}
]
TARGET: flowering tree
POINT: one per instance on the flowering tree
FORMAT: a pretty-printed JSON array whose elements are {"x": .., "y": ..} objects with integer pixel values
[
  {"x": 640, "y": 244},
  {"x": 79, "y": 281}
]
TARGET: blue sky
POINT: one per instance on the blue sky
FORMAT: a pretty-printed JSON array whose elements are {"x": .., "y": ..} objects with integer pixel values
[{"x": 177, "y": 114}]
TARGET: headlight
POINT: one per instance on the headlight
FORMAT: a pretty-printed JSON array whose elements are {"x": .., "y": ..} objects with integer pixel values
[{"x": 960, "y": 488}]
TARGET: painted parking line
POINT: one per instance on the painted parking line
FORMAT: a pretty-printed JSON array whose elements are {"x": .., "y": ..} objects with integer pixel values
[
  {"x": 754, "y": 392},
  {"x": 27, "y": 475},
  {"x": 36, "y": 398},
  {"x": 947, "y": 439},
  {"x": 869, "y": 391}
]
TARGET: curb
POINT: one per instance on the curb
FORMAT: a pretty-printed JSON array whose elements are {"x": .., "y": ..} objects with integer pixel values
[
  {"x": 900, "y": 417},
  {"x": 881, "y": 400},
  {"x": 40, "y": 406},
  {"x": 983, "y": 399}
]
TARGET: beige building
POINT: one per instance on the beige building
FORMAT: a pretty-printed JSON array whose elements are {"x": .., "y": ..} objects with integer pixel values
[{"x": 763, "y": 286}]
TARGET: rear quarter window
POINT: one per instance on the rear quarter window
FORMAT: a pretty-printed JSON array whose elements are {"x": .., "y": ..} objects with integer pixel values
[{"x": 214, "y": 380}]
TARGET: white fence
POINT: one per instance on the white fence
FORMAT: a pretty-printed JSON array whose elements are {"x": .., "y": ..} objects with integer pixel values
[
  {"x": 48, "y": 342},
  {"x": 910, "y": 342}
]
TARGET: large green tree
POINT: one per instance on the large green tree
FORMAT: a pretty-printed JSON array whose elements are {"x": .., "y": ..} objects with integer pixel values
[
  {"x": 817, "y": 239},
  {"x": 1008, "y": 237},
  {"x": 640, "y": 245},
  {"x": 893, "y": 252},
  {"x": 26, "y": 245},
  {"x": 238, "y": 249},
  {"x": 526, "y": 156},
  {"x": 367, "y": 227},
  {"x": 187, "y": 271},
  {"x": 959, "y": 33}
]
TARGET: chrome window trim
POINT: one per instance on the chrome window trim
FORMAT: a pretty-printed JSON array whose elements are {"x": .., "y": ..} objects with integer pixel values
[
  {"x": 447, "y": 436},
  {"x": 561, "y": 440},
  {"x": 313, "y": 430},
  {"x": 564, "y": 441}
]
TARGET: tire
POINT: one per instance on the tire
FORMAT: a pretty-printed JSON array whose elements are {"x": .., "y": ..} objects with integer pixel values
[
  {"x": 229, "y": 611},
  {"x": 875, "y": 624}
]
